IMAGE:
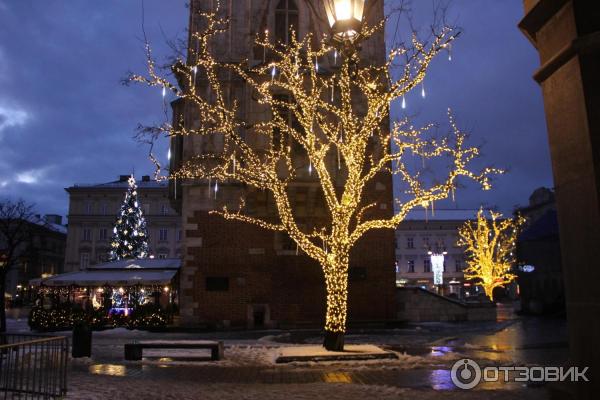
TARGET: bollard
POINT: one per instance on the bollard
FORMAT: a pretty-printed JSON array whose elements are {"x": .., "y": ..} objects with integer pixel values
[{"x": 82, "y": 340}]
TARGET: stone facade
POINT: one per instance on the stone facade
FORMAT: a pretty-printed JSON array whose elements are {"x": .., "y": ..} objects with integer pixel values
[
  {"x": 238, "y": 274},
  {"x": 419, "y": 305},
  {"x": 92, "y": 213},
  {"x": 41, "y": 256},
  {"x": 566, "y": 34}
]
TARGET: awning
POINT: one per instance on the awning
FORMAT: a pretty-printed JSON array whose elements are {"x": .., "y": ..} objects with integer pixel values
[
  {"x": 129, "y": 277},
  {"x": 143, "y": 263}
]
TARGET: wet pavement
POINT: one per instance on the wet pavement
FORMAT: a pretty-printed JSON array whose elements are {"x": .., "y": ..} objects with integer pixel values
[{"x": 429, "y": 351}]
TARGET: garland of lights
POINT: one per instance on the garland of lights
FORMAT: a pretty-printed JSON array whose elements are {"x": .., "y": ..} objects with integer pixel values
[
  {"x": 343, "y": 125},
  {"x": 490, "y": 247},
  {"x": 130, "y": 236}
]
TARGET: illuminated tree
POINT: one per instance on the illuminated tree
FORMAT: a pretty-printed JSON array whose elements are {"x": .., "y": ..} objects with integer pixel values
[
  {"x": 130, "y": 236},
  {"x": 340, "y": 139},
  {"x": 490, "y": 246}
]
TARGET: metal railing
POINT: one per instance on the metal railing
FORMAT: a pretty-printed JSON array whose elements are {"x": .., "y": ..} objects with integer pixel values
[{"x": 33, "y": 366}]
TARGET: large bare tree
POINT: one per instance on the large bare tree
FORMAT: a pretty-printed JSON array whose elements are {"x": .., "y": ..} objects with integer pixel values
[
  {"x": 15, "y": 235},
  {"x": 342, "y": 124}
]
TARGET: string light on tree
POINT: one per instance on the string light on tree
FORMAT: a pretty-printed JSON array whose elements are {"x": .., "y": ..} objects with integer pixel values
[
  {"x": 369, "y": 147},
  {"x": 490, "y": 246}
]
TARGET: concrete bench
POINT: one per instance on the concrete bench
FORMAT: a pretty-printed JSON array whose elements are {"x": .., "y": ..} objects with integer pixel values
[{"x": 133, "y": 351}]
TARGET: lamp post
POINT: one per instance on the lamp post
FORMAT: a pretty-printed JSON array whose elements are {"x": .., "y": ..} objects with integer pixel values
[{"x": 345, "y": 19}]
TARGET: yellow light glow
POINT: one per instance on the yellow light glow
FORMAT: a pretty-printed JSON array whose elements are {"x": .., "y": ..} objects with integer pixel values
[
  {"x": 490, "y": 247},
  {"x": 343, "y": 9},
  {"x": 352, "y": 129}
]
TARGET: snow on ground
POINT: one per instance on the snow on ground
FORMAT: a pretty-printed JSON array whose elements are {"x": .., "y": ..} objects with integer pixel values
[{"x": 315, "y": 351}]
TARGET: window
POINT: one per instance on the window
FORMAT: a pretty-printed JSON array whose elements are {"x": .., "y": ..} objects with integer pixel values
[
  {"x": 426, "y": 241},
  {"x": 102, "y": 257},
  {"x": 179, "y": 235},
  {"x": 357, "y": 274},
  {"x": 164, "y": 209},
  {"x": 286, "y": 19},
  {"x": 217, "y": 284},
  {"x": 410, "y": 243},
  {"x": 162, "y": 256},
  {"x": 104, "y": 209},
  {"x": 89, "y": 208},
  {"x": 458, "y": 265},
  {"x": 411, "y": 266},
  {"x": 84, "y": 260},
  {"x": 286, "y": 242},
  {"x": 87, "y": 234},
  {"x": 146, "y": 209},
  {"x": 427, "y": 265},
  {"x": 281, "y": 138},
  {"x": 103, "y": 234},
  {"x": 162, "y": 234}
]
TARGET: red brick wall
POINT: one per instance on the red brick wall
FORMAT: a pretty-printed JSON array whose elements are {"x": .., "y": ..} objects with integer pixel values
[{"x": 291, "y": 285}]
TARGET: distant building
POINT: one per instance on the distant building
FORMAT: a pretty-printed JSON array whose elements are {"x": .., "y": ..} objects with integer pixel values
[
  {"x": 92, "y": 213},
  {"x": 419, "y": 237},
  {"x": 538, "y": 253},
  {"x": 41, "y": 256}
]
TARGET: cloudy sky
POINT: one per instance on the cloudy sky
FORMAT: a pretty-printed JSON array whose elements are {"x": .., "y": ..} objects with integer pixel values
[{"x": 65, "y": 118}]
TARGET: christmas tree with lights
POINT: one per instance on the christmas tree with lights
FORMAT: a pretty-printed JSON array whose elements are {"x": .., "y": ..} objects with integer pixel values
[{"x": 130, "y": 236}]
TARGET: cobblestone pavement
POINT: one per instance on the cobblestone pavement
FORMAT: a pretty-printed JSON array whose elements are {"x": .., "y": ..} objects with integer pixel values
[
  {"x": 181, "y": 383},
  {"x": 426, "y": 354},
  {"x": 103, "y": 378}
]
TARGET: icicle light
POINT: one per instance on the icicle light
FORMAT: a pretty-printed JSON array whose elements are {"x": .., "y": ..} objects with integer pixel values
[{"x": 274, "y": 168}]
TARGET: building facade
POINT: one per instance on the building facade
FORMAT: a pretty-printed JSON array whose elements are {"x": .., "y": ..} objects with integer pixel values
[
  {"x": 42, "y": 255},
  {"x": 539, "y": 258},
  {"x": 565, "y": 33},
  {"x": 238, "y": 274},
  {"x": 93, "y": 210},
  {"x": 422, "y": 236}
]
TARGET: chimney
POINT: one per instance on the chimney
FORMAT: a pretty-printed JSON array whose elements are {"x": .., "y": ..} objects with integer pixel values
[
  {"x": 53, "y": 219},
  {"x": 146, "y": 178},
  {"x": 123, "y": 178}
]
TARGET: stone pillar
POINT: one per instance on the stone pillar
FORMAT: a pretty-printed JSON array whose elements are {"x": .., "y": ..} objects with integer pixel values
[{"x": 567, "y": 35}]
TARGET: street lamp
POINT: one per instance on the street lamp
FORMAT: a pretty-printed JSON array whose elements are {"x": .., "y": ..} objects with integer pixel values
[
  {"x": 345, "y": 18},
  {"x": 437, "y": 267}
]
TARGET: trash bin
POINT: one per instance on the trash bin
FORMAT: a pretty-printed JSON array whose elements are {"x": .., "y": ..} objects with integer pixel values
[{"x": 82, "y": 340}]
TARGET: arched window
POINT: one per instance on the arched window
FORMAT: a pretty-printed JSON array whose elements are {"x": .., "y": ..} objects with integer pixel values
[{"x": 286, "y": 17}]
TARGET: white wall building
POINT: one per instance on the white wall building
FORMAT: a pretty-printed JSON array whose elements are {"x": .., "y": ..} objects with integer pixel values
[
  {"x": 423, "y": 235},
  {"x": 93, "y": 210}
]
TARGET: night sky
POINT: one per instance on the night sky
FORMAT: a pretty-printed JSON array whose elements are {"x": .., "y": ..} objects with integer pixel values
[{"x": 65, "y": 118}]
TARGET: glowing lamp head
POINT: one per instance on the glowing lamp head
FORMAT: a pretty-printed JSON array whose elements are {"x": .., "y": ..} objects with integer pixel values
[{"x": 345, "y": 18}]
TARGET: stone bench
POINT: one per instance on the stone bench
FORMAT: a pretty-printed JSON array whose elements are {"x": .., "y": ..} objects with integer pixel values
[{"x": 133, "y": 351}]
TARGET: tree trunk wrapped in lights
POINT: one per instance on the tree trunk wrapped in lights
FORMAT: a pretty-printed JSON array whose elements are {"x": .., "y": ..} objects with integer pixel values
[
  {"x": 342, "y": 125},
  {"x": 490, "y": 247}
]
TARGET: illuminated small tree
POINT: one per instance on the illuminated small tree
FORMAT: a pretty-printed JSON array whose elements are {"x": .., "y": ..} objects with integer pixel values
[
  {"x": 342, "y": 141},
  {"x": 130, "y": 236},
  {"x": 490, "y": 246}
]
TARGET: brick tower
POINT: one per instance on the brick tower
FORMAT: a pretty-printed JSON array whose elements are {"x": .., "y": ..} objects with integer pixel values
[{"x": 237, "y": 274}]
